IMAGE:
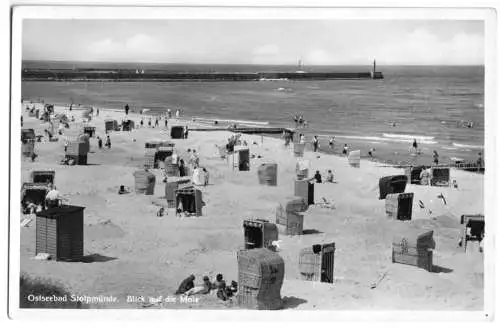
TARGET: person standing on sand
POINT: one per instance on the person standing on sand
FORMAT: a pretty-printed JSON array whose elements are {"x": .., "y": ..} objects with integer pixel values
[
  {"x": 186, "y": 132},
  {"x": 370, "y": 152},
  {"x": 156, "y": 122},
  {"x": 479, "y": 161},
  {"x": 166, "y": 122},
  {"x": 99, "y": 142},
  {"x": 178, "y": 113},
  {"x": 149, "y": 122},
  {"x": 97, "y": 112},
  {"x": 315, "y": 143},
  {"x": 302, "y": 139},
  {"x": 344, "y": 151},
  {"x": 435, "y": 156},
  {"x": 126, "y": 109}
]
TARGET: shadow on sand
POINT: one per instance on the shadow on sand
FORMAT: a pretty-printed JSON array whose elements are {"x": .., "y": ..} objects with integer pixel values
[
  {"x": 97, "y": 258},
  {"x": 292, "y": 302},
  {"x": 439, "y": 269},
  {"x": 311, "y": 231}
]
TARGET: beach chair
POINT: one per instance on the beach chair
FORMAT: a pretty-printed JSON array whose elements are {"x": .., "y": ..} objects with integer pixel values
[{"x": 473, "y": 229}]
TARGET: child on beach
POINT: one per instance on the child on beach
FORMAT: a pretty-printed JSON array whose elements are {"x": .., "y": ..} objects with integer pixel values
[
  {"x": 108, "y": 142},
  {"x": 99, "y": 142},
  {"x": 156, "y": 122},
  {"x": 329, "y": 176}
]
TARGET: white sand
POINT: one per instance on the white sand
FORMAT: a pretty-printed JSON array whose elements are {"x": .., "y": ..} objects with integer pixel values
[{"x": 154, "y": 254}]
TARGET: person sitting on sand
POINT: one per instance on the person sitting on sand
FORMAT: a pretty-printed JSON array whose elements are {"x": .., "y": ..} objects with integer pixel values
[
  {"x": 317, "y": 177},
  {"x": 344, "y": 151},
  {"x": 329, "y": 176},
  {"x": 122, "y": 190},
  {"x": 186, "y": 285},
  {"x": 203, "y": 289},
  {"x": 233, "y": 289}
]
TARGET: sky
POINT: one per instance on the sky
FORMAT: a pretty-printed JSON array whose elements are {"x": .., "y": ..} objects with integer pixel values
[{"x": 276, "y": 42}]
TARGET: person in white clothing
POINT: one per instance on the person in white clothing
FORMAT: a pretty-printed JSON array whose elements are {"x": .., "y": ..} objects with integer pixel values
[{"x": 53, "y": 198}]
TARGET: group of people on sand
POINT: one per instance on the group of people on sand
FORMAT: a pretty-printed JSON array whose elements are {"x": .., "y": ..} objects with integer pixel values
[
  {"x": 53, "y": 199},
  {"x": 223, "y": 291}
]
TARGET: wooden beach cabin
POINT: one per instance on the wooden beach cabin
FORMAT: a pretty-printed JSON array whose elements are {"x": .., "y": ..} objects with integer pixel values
[
  {"x": 317, "y": 263},
  {"x": 59, "y": 232}
]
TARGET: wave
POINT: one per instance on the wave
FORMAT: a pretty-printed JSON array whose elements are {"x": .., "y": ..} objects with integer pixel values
[
  {"x": 380, "y": 139},
  {"x": 406, "y": 136},
  {"x": 259, "y": 123},
  {"x": 467, "y": 146}
]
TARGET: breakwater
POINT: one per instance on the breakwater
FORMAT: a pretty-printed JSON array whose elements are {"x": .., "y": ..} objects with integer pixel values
[{"x": 126, "y": 75}]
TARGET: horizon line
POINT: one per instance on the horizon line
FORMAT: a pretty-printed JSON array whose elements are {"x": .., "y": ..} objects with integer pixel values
[{"x": 249, "y": 64}]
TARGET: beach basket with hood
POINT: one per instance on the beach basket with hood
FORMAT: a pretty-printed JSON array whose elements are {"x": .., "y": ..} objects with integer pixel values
[
  {"x": 190, "y": 198},
  {"x": 260, "y": 278},
  {"x": 298, "y": 149},
  {"x": 302, "y": 169},
  {"x": 59, "y": 232},
  {"x": 399, "y": 206},
  {"x": 144, "y": 182},
  {"x": 77, "y": 148},
  {"x": 127, "y": 125},
  {"x": 268, "y": 174},
  {"x": 34, "y": 193},
  {"x": 317, "y": 263},
  {"x": 110, "y": 125},
  {"x": 413, "y": 173},
  {"x": 171, "y": 187},
  {"x": 149, "y": 158},
  {"x": 440, "y": 176},
  {"x": 393, "y": 184},
  {"x": 354, "y": 158},
  {"x": 260, "y": 233},
  {"x": 305, "y": 189},
  {"x": 239, "y": 159},
  {"x": 177, "y": 132},
  {"x": 43, "y": 176},
  {"x": 27, "y": 149},
  {"x": 28, "y": 135},
  {"x": 90, "y": 130},
  {"x": 414, "y": 247},
  {"x": 289, "y": 218}
]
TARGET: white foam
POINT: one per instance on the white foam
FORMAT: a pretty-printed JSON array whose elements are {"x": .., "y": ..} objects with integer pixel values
[
  {"x": 406, "y": 136},
  {"x": 380, "y": 139},
  {"x": 231, "y": 121},
  {"x": 467, "y": 146}
]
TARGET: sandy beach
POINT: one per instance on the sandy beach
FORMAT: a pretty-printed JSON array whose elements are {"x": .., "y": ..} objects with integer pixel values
[{"x": 137, "y": 253}]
